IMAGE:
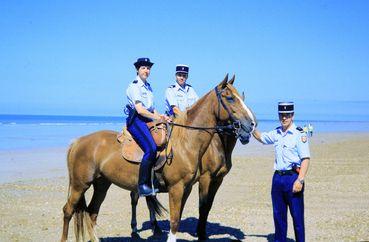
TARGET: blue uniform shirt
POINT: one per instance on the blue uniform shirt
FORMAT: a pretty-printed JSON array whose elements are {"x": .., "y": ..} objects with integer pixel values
[
  {"x": 290, "y": 147},
  {"x": 180, "y": 97},
  {"x": 142, "y": 92}
]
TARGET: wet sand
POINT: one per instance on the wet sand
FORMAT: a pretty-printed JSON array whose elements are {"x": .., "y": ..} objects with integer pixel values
[{"x": 33, "y": 190}]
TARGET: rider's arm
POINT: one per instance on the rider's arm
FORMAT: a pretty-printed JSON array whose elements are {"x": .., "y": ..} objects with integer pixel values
[{"x": 144, "y": 112}]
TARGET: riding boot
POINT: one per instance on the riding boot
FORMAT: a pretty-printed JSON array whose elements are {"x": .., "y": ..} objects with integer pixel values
[{"x": 144, "y": 186}]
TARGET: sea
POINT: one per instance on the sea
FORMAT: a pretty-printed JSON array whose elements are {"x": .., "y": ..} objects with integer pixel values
[{"x": 19, "y": 132}]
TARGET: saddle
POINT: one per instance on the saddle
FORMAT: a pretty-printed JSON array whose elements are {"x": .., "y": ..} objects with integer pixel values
[{"x": 132, "y": 152}]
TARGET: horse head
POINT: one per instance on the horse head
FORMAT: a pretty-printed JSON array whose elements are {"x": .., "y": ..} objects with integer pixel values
[{"x": 231, "y": 107}]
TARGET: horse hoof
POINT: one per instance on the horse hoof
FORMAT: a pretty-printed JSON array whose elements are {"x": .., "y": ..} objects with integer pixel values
[
  {"x": 202, "y": 237},
  {"x": 135, "y": 235},
  {"x": 158, "y": 232}
]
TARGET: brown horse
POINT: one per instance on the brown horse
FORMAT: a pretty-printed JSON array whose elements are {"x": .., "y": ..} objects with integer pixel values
[
  {"x": 215, "y": 164},
  {"x": 95, "y": 159}
]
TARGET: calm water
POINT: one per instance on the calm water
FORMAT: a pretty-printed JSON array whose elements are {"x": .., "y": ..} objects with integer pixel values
[{"x": 34, "y": 131}]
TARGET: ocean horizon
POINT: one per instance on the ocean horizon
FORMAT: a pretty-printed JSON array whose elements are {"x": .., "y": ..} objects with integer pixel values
[{"x": 45, "y": 131}]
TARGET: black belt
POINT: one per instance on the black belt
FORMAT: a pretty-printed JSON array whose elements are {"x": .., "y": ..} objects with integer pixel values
[{"x": 286, "y": 172}]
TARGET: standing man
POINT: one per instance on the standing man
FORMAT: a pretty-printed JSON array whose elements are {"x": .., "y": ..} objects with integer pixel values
[
  {"x": 180, "y": 95},
  {"x": 292, "y": 157}
]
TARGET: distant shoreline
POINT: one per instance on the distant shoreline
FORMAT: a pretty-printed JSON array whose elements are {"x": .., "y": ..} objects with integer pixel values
[{"x": 5, "y": 118}]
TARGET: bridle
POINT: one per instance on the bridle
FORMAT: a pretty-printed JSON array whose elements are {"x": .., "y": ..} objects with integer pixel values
[{"x": 232, "y": 128}]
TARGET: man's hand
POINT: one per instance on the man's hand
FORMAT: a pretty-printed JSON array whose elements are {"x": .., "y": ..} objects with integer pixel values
[{"x": 297, "y": 186}]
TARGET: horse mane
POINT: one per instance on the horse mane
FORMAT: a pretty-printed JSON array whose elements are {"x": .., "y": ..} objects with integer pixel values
[{"x": 186, "y": 117}]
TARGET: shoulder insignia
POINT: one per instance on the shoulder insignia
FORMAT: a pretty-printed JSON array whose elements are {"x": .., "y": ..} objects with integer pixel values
[
  {"x": 172, "y": 86},
  {"x": 189, "y": 85},
  {"x": 300, "y": 129},
  {"x": 135, "y": 81}
]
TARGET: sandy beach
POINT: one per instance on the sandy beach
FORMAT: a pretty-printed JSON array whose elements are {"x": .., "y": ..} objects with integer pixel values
[{"x": 33, "y": 190}]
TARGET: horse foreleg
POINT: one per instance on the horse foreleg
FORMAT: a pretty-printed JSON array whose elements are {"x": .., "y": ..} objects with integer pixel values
[
  {"x": 69, "y": 209},
  {"x": 134, "y": 201},
  {"x": 178, "y": 195},
  {"x": 207, "y": 189}
]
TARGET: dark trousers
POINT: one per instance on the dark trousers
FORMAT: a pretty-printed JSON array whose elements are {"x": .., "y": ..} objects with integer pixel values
[
  {"x": 283, "y": 197},
  {"x": 136, "y": 125}
]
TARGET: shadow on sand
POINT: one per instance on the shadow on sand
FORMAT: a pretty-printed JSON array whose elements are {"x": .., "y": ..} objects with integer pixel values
[
  {"x": 224, "y": 233},
  {"x": 269, "y": 237}
]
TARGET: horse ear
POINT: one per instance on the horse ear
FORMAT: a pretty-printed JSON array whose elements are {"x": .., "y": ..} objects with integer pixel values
[
  {"x": 243, "y": 96},
  {"x": 232, "y": 79},
  {"x": 223, "y": 84}
]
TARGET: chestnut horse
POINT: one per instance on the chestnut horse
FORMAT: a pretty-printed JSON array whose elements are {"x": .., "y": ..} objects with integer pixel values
[
  {"x": 95, "y": 159},
  {"x": 215, "y": 164}
]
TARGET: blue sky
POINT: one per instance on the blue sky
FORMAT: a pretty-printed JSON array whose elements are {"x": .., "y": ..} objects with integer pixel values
[{"x": 76, "y": 57}]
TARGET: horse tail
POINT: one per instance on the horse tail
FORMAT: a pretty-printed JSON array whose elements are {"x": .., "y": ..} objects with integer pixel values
[
  {"x": 83, "y": 222},
  {"x": 156, "y": 205},
  {"x": 82, "y": 219},
  {"x": 69, "y": 172}
]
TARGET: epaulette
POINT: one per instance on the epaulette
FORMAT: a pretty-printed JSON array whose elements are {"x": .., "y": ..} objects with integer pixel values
[
  {"x": 300, "y": 129},
  {"x": 189, "y": 85},
  {"x": 135, "y": 81},
  {"x": 172, "y": 86}
]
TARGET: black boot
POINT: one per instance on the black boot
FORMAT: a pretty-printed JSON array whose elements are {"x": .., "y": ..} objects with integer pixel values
[{"x": 144, "y": 188}]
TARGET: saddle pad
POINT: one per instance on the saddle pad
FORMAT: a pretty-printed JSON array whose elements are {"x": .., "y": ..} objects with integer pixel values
[
  {"x": 130, "y": 149},
  {"x": 132, "y": 152}
]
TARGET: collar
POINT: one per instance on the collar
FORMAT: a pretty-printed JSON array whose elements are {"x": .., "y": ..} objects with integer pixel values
[
  {"x": 141, "y": 82},
  {"x": 290, "y": 130},
  {"x": 178, "y": 87}
]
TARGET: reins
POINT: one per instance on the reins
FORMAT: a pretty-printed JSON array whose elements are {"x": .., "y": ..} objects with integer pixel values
[
  {"x": 218, "y": 128},
  {"x": 230, "y": 128}
]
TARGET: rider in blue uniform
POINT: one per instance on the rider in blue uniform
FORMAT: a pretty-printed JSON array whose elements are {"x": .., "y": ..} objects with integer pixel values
[
  {"x": 292, "y": 157},
  {"x": 180, "y": 95},
  {"x": 140, "y": 110}
]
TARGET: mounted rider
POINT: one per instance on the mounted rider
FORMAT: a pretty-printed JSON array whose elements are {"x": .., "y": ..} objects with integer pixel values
[
  {"x": 180, "y": 95},
  {"x": 140, "y": 111}
]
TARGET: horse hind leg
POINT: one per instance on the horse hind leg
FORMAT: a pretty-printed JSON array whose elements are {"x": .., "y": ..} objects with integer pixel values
[
  {"x": 101, "y": 186},
  {"x": 134, "y": 201},
  {"x": 70, "y": 207}
]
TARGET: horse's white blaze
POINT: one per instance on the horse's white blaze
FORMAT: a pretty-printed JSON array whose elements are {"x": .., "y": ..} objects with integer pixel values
[{"x": 247, "y": 110}]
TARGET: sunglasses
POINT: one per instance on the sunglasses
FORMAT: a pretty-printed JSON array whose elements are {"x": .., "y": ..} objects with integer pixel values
[
  {"x": 181, "y": 75},
  {"x": 285, "y": 115}
]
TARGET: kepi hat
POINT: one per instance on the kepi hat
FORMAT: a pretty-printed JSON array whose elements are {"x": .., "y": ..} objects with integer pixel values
[
  {"x": 285, "y": 107},
  {"x": 143, "y": 61},
  {"x": 182, "y": 69}
]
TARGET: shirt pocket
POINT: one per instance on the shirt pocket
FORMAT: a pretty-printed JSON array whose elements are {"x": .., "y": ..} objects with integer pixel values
[
  {"x": 290, "y": 150},
  {"x": 180, "y": 98},
  {"x": 144, "y": 96}
]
